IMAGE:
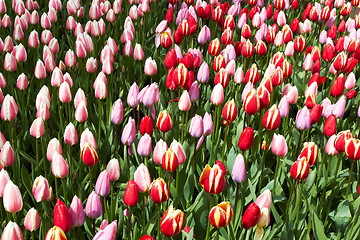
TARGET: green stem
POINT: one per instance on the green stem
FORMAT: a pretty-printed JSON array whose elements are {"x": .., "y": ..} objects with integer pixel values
[
  {"x": 236, "y": 199},
  {"x": 224, "y": 145},
  {"x": 276, "y": 173},
  {"x": 105, "y": 213},
  {"x": 111, "y": 202},
  {"x": 349, "y": 181},
  {"x": 37, "y": 155},
  {"x": 100, "y": 119},
  {"x": 90, "y": 168},
  {"x": 177, "y": 187},
  {"x": 217, "y": 234},
  {"x": 354, "y": 221},
  {"x": 56, "y": 188},
  {"x": 326, "y": 180},
  {"x": 298, "y": 201},
  {"x": 263, "y": 159},
  {"x": 64, "y": 189},
  {"x": 159, "y": 219},
  {"x": 289, "y": 200},
  {"x": 182, "y": 127},
  {"x": 208, "y": 224},
  {"x": 143, "y": 212}
]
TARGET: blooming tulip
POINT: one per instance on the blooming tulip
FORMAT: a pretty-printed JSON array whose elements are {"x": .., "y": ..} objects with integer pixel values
[
  {"x": 142, "y": 178},
  {"x": 220, "y": 215},
  {"x": 93, "y": 207},
  {"x": 55, "y": 233},
  {"x": 131, "y": 194},
  {"x": 32, "y": 220},
  {"x": 62, "y": 217},
  {"x": 12, "y": 198},
  {"x": 172, "y": 222},
  {"x": 238, "y": 173},
  {"x": 300, "y": 169}
]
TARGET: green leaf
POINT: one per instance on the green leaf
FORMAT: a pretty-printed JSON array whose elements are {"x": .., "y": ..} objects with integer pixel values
[
  {"x": 318, "y": 227},
  {"x": 343, "y": 215}
]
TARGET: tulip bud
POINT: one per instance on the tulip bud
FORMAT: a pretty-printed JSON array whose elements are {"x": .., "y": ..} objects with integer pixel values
[
  {"x": 12, "y": 198},
  {"x": 251, "y": 216},
  {"x": 330, "y": 126},
  {"x": 352, "y": 147},
  {"x": 246, "y": 139},
  {"x": 220, "y": 215},
  {"x": 170, "y": 161},
  {"x": 76, "y": 211},
  {"x": 300, "y": 169},
  {"x": 6, "y": 155},
  {"x": 159, "y": 151},
  {"x": 131, "y": 194},
  {"x": 238, "y": 173},
  {"x": 278, "y": 145},
  {"x": 217, "y": 95},
  {"x": 142, "y": 178},
  {"x": 252, "y": 102},
  {"x": 340, "y": 140},
  {"x": 271, "y": 118},
  {"x": 128, "y": 134},
  {"x": 213, "y": 179},
  {"x": 40, "y": 189},
  {"x": 229, "y": 111},
  {"x": 164, "y": 122},
  {"x": 62, "y": 217},
  {"x": 303, "y": 120},
  {"x": 159, "y": 192},
  {"x": 89, "y": 155},
  {"x": 32, "y": 220},
  {"x": 12, "y": 231},
  {"x": 4, "y": 178},
  {"x": 172, "y": 222},
  {"x": 70, "y": 135},
  {"x": 113, "y": 168},
  {"x": 310, "y": 152},
  {"x": 55, "y": 233}
]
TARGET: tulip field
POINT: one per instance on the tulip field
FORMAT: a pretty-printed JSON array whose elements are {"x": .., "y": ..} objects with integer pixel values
[{"x": 194, "y": 119}]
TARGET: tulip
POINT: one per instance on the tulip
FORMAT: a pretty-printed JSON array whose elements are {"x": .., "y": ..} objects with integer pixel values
[
  {"x": 142, "y": 178},
  {"x": 330, "y": 146},
  {"x": 220, "y": 215},
  {"x": 159, "y": 151},
  {"x": 76, "y": 211},
  {"x": 340, "y": 140},
  {"x": 159, "y": 192},
  {"x": 172, "y": 222},
  {"x": 303, "y": 120},
  {"x": 4, "y": 178},
  {"x": 170, "y": 161},
  {"x": 147, "y": 237},
  {"x": 131, "y": 194},
  {"x": 62, "y": 217},
  {"x": 146, "y": 126},
  {"x": 300, "y": 169},
  {"x": 6, "y": 155},
  {"x": 278, "y": 145},
  {"x": 164, "y": 122},
  {"x": 179, "y": 151},
  {"x": 12, "y": 199},
  {"x": 238, "y": 173},
  {"x": 196, "y": 128},
  {"x": 107, "y": 233},
  {"x": 93, "y": 207},
  {"x": 102, "y": 186},
  {"x": 37, "y": 128},
  {"x": 32, "y": 220},
  {"x": 89, "y": 155},
  {"x": 229, "y": 111},
  {"x": 310, "y": 152},
  {"x": 330, "y": 126},
  {"x": 217, "y": 95},
  {"x": 128, "y": 134},
  {"x": 184, "y": 102},
  {"x": 12, "y": 231},
  {"x": 9, "y": 108},
  {"x": 70, "y": 135},
  {"x": 271, "y": 118},
  {"x": 10, "y": 64},
  {"x": 251, "y": 216},
  {"x": 150, "y": 67},
  {"x": 113, "y": 168},
  {"x": 352, "y": 147},
  {"x": 55, "y": 233},
  {"x": 252, "y": 102},
  {"x": 213, "y": 179},
  {"x": 246, "y": 139},
  {"x": 40, "y": 189}
]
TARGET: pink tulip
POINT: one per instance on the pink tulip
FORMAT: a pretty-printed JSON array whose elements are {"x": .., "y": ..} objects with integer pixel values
[
  {"x": 338, "y": 108},
  {"x": 132, "y": 98},
  {"x": 278, "y": 145},
  {"x": 2, "y": 140},
  {"x": 203, "y": 73},
  {"x": 6, "y": 155},
  {"x": 291, "y": 93},
  {"x": 113, "y": 168},
  {"x": 4, "y": 178},
  {"x": 217, "y": 95},
  {"x": 40, "y": 189},
  {"x": 303, "y": 121},
  {"x": 204, "y": 35},
  {"x": 330, "y": 146},
  {"x": 308, "y": 62},
  {"x": 128, "y": 134},
  {"x": 70, "y": 59},
  {"x": 196, "y": 128},
  {"x": 70, "y": 135},
  {"x": 34, "y": 18},
  {"x": 110, "y": 16},
  {"x": 79, "y": 97},
  {"x": 9, "y": 108},
  {"x": 2, "y": 81},
  {"x": 184, "y": 102},
  {"x": 138, "y": 52},
  {"x": 8, "y": 44},
  {"x": 91, "y": 65},
  {"x": 179, "y": 151},
  {"x": 59, "y": 166},
  {"x": 65, "y": 92},
  {"x": 12, "y": 231},
  {"x": 283, "y": 107},
  {"x": 159, "y": 150},
  {"x": 43, "y": 111},
  {"x": 117, "y": 112},
  {"x": 102, "y": 186},
  {"x": 350, "y": 81},
  {"x": 40, "y": 72},
  {"x": 81, "y": 113},
  {"x": 57, "y": 77},
  {"x": 53, "y": 146},
  {"x": 281, "y": 19},
  {"x": 108, "y": 233},
  {"x": 76, "y": 211},
  {"x": 20, "y": 54},
  {"x": 142, "y": 178},
  {"x": 144, "y": 145},
  {"x": 87, "y": 136},
  {"x": 93, "y": 208},
  {"x": 150, "y": 67},
  {"x": 32, "y": 220},
  {"x": 264, "y": 202},
  {"x": 239, "y": 76},
  {"x": 151, "y": 95},
  {"x": 289, "y": 50},
  {"x": 12, "y": 198},
  {"x": 101, "y": 90},
  {"x": 208, "y": 124},
  {"x": 10, "y": 64},
  {"x": 70, "y": 23},
  {"x": 37, "y": 128},
  {"x": 238, "y": 173},
  {"x": 45, "y": 37}
]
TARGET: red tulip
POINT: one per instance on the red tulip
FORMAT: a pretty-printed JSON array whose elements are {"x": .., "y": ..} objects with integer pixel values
[
  {"x": 252, "y": 102},
  {"x": 251, "y": 216},
  {"x": 310, "y": 152},
  {"x": 62, "y": 217},
  {"x": 89, "y": 155},
  {"x": 246, "y": 139},
  {"x": 172, "y": 222},
  {"x": 146, "y": 126},
  {"x": 330, "y": 126},
  {"x": 159, "y": 192},
  {"x": 131, "y": 194},
  {"x": 271, "y": 118},
  {"x": 213, "y": 179},
  {"x": 164, "y": 122},
  {"x": 221, "y": 214},
  {"x": 229, "y": 111},
  {"x": 300, "y": 169},
  {"x": 352, "y": 149},
  {"x": 170, "y": 161}
]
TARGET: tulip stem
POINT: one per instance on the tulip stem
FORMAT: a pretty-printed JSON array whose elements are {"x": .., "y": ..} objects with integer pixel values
[
  {"x": 326, "y": 180},
  {"x": 37, "y": 154},
  {"x": 224, "y": 145},
  {"x": 105, "y": 212},
  {"x": 177, "y": 187},
  {"x": 76, "y": 233},
  {"x": 299, "y": 144},
  {"x": 94, "y": 227},
  {"x": 182, "y": 127},
  {"x": 276, "y": 173},
  {"x": 320, "y": 170},
  {"x": 295, "y": 66},
  {"x": 208, "y": 224},
  {"x": 217, "y": 234},
  {"x": 263, "y": 159},
  {"x": 289, "y": 200},
  {"x": 354, "y": 221},
  {"x": 349, "y": 181},
  {"x": 127, "y": 160},
  {"x": 144, "y": 212},
  {"x": 169, "y": 183},
  {"x": 14, "y": 217},
  {"x": 111, "y": 202},
  {"x": 56, "y": 187},
  {"x": 236, "y": 198},
  {"x": 100, "y": 118},
  {"x": 33, "y": 235},
  {"x": 90, "y": 178},
  {"x": 303, "y": 83},
  {"x": 298, "y": 202},
  {"x": 159, "y": 218},
  {"x": 64, "y": 189}
]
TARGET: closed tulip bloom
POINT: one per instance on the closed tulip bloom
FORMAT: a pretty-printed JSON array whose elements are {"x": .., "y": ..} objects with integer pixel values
[
  {"x": 339, "y": 107},
  {"x": 196, "y": 128},
  {"x": 89, "y": 155},
  {"x": 113, "y": 168},
  {"x": 101, "y": 90},
  {"x": 138, "y": 52},
  {"x": 246, "y": 139},
  {"x": 59, "y": 166},
  {"x": 310, "y": 152},
  {"x": 330, "y": 146},
  {"x": 117, "y": 112},
  {"x": 4, "y": 178},
  {"x": 159, "y": 151},
  {"x": 159, "y": 192},
  {"x": 102, "y": 186},
  {"x": 107, "y": 233},
  {"x": 208, "y": 124},
  {"x": 144, "y": 145},
  {"x": 10, "y": 64},
  {"x": 150, "y": 67},
  {"x": 283, "y": 107},
  {"x": 217, "y": 95},
  {"x": 65, "y": 92},
  {"x": 62, "y": 217},
  {"x": 184, "y": 102},
  {"x": 9, "y": 108},
  {"x": 203, "y": 73},
  {"x": 300, "y": 169},
  {"x": 330, "y": 126},
  {"x": 170, "y": 161},
  {"x": 55, "y": 233},
  {"x": 12, "y": 231},
  {"x": 32, "y": 220},
  {"x": 142, "y": 178},
  {"x": 278, "y": 145},
  {"x": 303, "y": 120},
  {"x": 76, "y": 211},
  {"x": 146, "y": 126},
  {"x": 229, "y": 111},
  {"x": 221, "y": 214},
  {"x": 352, "y": 147},
  {"x": 37, "y": 128},
  {"x": 164, "y": 122},
  {"x": 131, "y": 194},
  {"x": 93, "y": 208},
  {"x": 147, "y": 237},
  {"x": 213, "y": 179},
  {"x": 340, "y": 140},
  {"x": 252, "y": 102},
  {"x": 251, "y": 216},
  {"x": 40, "y": 189},
  {"x": 70, "y": 135},
  {"x": 128, "y": 134},
  {"x": 271, "y": 118},
  {"x": 12, "y": 198},
  {"x": 238, "y": 173},
  {"x": 40, "y": 72},
  {"x": 179, "y": 151},
  {"x": 172, "y": 222},
  {"x": 6, "y": 155}
]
